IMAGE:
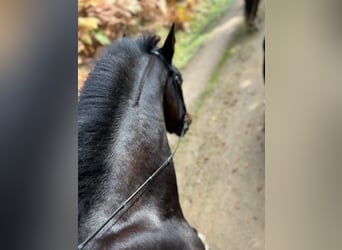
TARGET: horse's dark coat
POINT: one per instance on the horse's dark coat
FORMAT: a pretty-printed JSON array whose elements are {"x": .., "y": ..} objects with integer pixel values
[
  {"x": 251, "y": 10},
  {"x": 127, "y": 104}
]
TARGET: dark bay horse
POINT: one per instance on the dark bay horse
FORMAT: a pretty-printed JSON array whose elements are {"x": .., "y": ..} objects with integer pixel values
[
  {"x": 251, "y": 10},
  {"x": 128, "y": 103}
]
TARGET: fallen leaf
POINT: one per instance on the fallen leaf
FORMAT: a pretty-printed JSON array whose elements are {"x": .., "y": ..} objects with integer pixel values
[{"x": 227, "y": 163}]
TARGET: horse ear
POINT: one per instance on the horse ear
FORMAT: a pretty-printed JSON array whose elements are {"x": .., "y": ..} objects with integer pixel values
[{"x": 169, "y": 45}]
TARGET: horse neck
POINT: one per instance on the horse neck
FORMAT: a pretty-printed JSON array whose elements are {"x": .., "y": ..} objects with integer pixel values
[
  {"x": 136, "y": 147},
  {"x": 141, "y": 144}
]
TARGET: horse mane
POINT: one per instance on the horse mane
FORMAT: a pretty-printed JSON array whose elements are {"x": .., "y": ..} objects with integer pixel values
[{"x": 100, "y": 107}]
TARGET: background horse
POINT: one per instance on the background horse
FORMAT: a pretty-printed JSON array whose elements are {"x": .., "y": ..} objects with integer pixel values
[
  {"x": 128, "y": 103},
  {"x": 251, "y": 10}
]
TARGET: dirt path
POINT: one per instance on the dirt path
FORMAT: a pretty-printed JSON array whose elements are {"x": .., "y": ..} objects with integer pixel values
[
  {"x": 220, "y": 164},
  {"x": 198, "y": 71}
]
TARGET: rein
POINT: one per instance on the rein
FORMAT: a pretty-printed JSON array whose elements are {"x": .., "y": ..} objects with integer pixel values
[
  {"x": 136, "y": 192},
  {"x": 149, "y": 179}
]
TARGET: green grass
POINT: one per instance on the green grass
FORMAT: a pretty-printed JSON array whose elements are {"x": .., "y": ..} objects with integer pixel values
[{"x": 207, "y": 13}]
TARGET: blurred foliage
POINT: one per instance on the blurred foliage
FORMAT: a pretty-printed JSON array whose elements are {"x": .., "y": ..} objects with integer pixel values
[
  {"x": 203, "y": 21},
  {"x": 101, "y": 21}
]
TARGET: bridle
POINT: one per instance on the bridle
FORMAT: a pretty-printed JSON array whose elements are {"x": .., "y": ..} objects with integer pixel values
[{"x": 177, "y": 82}]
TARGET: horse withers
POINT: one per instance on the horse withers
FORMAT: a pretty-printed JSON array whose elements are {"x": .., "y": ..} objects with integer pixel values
[{"x": 131, "y": 99}]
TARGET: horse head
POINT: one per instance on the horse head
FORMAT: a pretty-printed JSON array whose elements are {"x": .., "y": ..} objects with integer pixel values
[{"x": 176, "y": 117}]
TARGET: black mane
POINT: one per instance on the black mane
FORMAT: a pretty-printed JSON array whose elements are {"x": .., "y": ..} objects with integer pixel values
[{"x": 100, "y": 104}]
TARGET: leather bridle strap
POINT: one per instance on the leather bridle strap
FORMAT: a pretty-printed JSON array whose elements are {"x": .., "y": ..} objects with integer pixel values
[{"x": 173, "y": 72}]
